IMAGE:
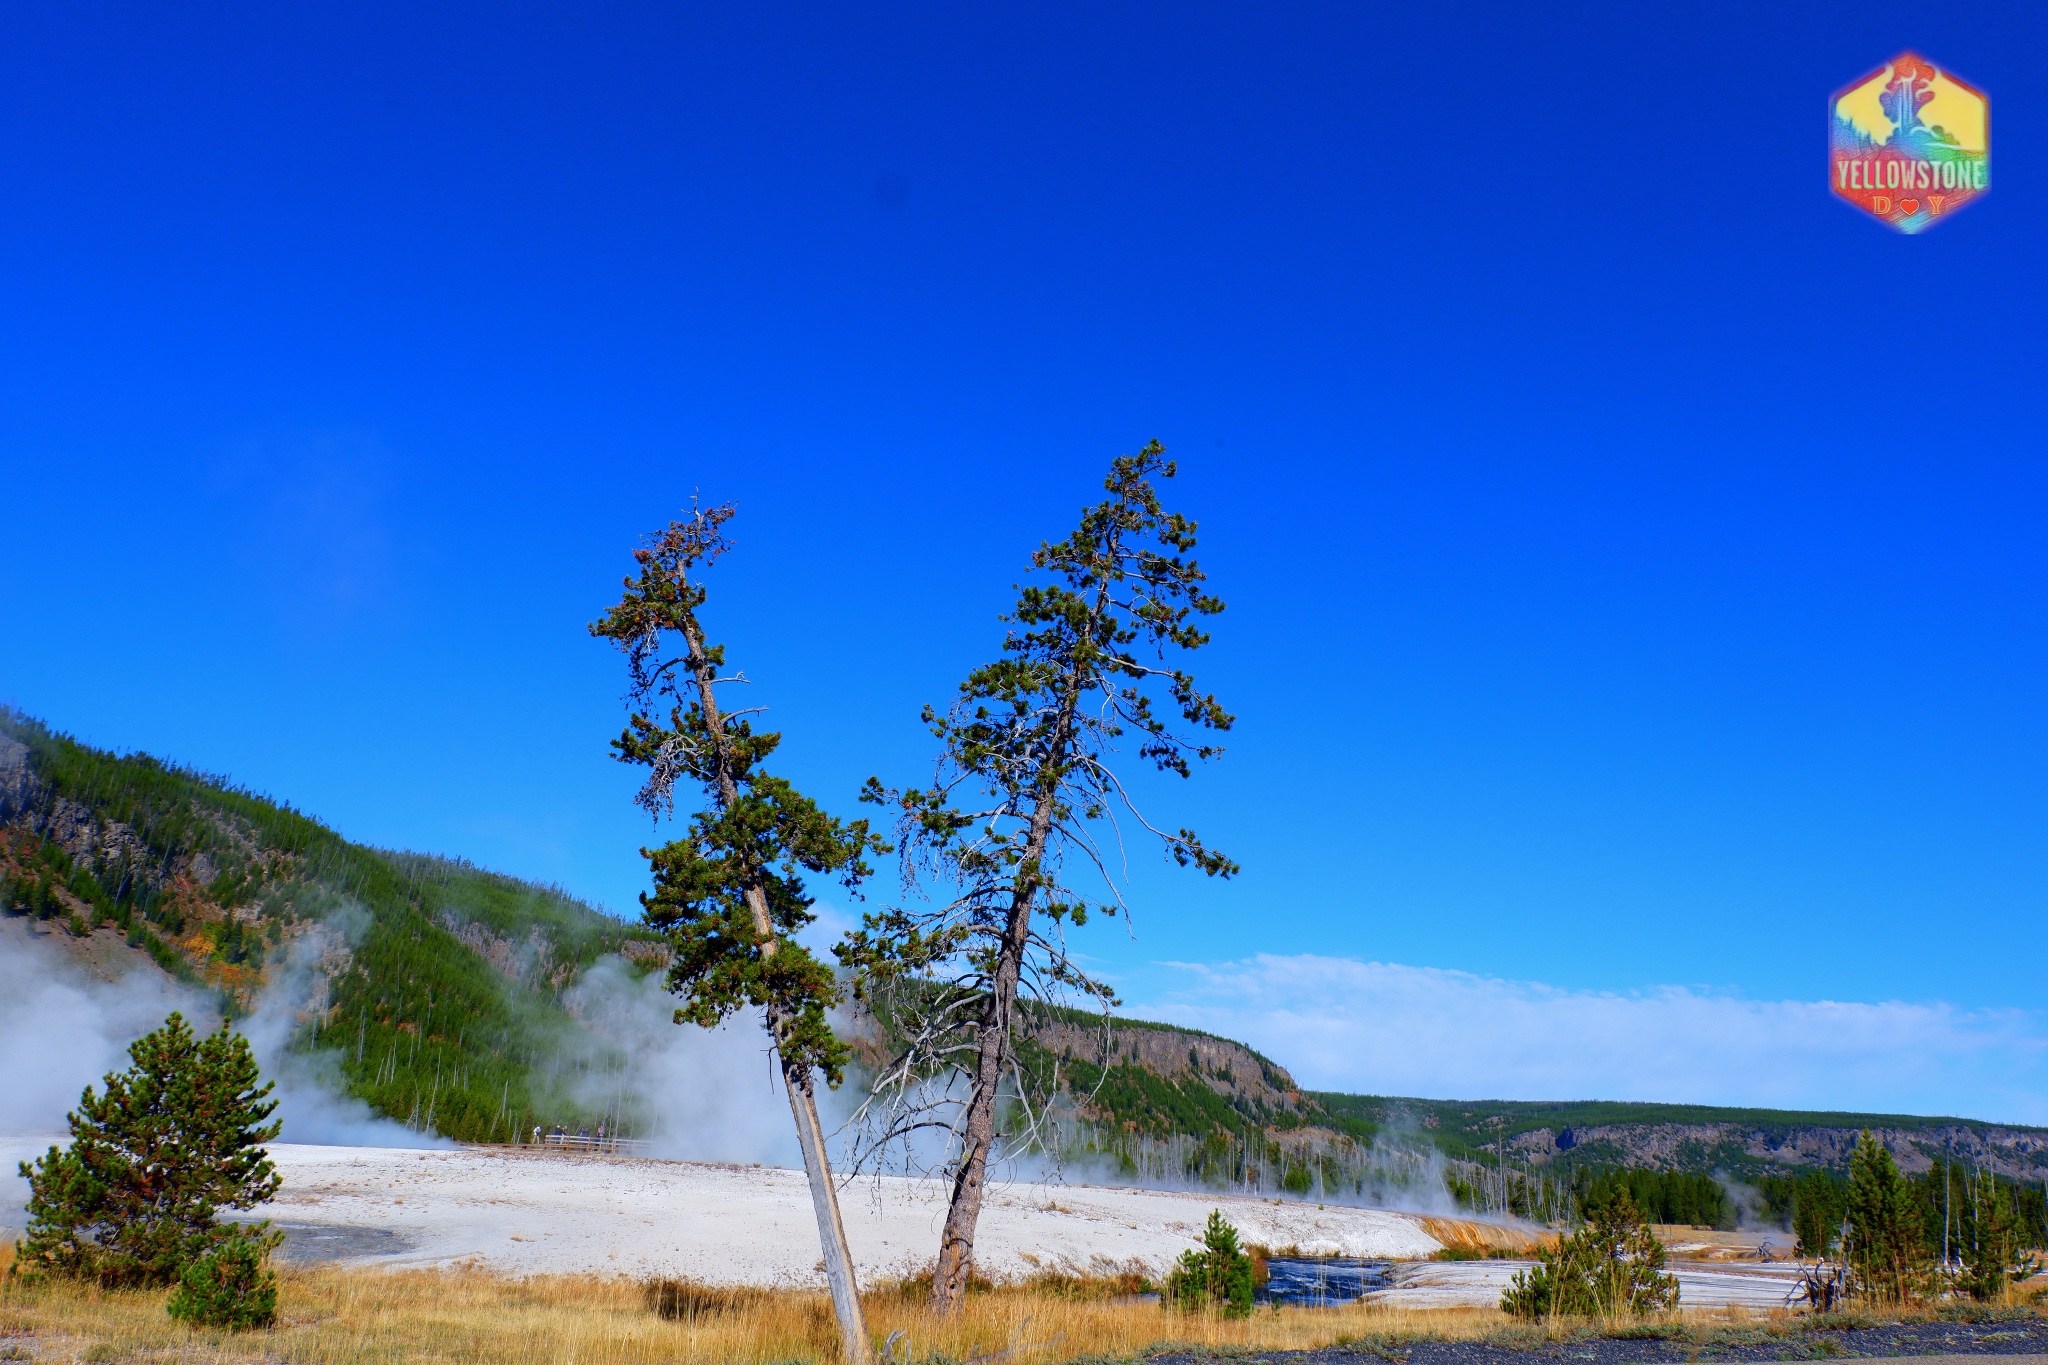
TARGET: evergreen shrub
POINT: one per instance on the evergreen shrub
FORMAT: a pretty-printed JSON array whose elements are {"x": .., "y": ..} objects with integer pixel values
[
  {"x": 228, "y": 1285},
  {"x": 1610, "y": 1268},
  {"x": 1218, "y": 1274},
  {"x": 173, "y": 1139}
]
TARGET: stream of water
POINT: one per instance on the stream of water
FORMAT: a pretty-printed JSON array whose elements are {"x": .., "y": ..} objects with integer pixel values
[{"x": 1321, "y": 1281}]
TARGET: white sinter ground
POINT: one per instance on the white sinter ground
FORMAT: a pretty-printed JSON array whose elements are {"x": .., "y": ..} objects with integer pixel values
[
  {"x": 540, "y": 1214},
  {"x": 753, "y": 1224},
  {"x": 1478, "y": 1284},
  {"x": 532, "y": 1213}
]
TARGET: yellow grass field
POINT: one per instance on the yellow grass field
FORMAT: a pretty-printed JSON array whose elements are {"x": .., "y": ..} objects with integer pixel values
[{"x": 361, "y": 1317}]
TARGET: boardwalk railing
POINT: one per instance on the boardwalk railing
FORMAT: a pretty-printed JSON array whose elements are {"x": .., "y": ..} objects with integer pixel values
[
  {"x": 581, "y": 1142},
  {"x": 576, "y": 1142}
]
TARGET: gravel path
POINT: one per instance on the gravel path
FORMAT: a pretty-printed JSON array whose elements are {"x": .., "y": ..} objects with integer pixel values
[{"x": 2026, "y": 1339}]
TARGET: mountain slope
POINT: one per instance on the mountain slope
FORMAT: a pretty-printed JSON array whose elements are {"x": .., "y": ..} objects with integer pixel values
[{"x": 439, "y": 986}]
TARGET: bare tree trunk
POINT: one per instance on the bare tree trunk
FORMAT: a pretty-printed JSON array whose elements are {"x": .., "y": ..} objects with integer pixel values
[
  {"x": 803, "y": 1104},
  {"x": 853, "y": 1330},
  {"x": 978, "y": 1133}
]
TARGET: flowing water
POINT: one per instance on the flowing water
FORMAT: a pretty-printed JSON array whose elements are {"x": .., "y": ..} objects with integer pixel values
[{"x": 1315, "y": 1282}]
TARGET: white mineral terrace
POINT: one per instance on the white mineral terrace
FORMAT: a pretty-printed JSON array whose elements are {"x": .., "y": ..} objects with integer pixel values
[
  {"x": 524, "y": 1213},
  {"x": 1445, "y": 1284}
]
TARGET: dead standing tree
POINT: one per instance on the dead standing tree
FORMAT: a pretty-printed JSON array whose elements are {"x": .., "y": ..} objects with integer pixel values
[
  {"x": 730, "y": 893},
  {"x": 1024, "y": 794}
]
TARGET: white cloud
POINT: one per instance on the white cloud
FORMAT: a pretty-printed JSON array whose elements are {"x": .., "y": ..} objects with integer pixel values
[{"x": 1383, "y": 1028}]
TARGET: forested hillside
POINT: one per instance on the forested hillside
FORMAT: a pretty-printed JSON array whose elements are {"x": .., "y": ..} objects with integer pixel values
[{"x": 440, "y": 985}]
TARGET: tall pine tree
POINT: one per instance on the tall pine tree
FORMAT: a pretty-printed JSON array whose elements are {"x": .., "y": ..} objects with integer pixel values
[
  {"x": 1019, "y": 829},
  {"x": 1885, "y": 1247},
  {"x": 729, "y": 894}
]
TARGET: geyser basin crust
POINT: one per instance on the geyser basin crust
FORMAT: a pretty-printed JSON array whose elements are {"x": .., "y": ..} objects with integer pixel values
[
  {"x": 523, "y": 1213},
  {"x": 533, "y": 1214}
]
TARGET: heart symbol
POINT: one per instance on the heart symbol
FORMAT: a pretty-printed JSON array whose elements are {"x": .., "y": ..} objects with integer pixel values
[{"x": 1909, "y": 206}]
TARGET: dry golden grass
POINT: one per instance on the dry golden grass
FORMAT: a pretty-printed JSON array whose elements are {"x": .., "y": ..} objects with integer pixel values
[
  {"x": 341, "y": 1317},
  {"x": 1470, "y": 1235},
  {"x": 368, "y": 1317}
]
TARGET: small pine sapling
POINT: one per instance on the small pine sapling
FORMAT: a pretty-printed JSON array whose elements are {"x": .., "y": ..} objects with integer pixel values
[
  {"x": 227, "y": 1286},
  {"x": 1217, "y": 1275},
  {"x": 1612, "y": 1267}
]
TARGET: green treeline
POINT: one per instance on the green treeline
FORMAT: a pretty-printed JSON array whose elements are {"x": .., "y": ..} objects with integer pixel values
[
  {"x": 431, "y": 1033},
  {"x": 1552, "y": 1196},
  {"x": 1474, "y": 1130},
  {"x": 1947, "y": 1197},
  {"x": 1950, "y": 1195},
  {"x": 1661, "y": 1196},
  {"x": 1812, "y": 1204}
]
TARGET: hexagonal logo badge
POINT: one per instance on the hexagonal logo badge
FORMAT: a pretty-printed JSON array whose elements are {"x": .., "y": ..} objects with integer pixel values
[{"x": 1909, "y": 144}]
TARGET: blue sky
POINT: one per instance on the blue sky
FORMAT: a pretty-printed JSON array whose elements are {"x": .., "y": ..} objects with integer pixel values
[{"x": 1634, "y": 557}]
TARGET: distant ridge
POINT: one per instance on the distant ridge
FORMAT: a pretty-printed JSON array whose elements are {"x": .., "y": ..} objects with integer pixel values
[
  {"x": 1162, "y": 1081},
  {"x": 1740, "y": 1142}
]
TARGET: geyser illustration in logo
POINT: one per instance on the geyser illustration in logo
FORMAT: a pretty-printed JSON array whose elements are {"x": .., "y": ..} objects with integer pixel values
[{"x": 1909, "y": 144}]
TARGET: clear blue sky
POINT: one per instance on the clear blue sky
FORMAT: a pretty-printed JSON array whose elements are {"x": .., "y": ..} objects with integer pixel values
[{"x": 1635, "y": 558}]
